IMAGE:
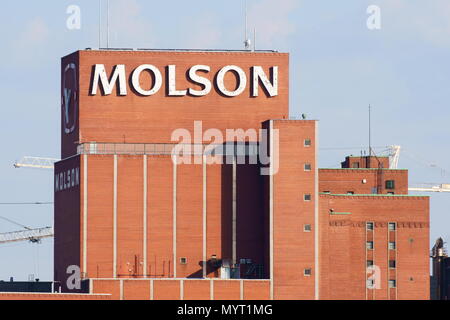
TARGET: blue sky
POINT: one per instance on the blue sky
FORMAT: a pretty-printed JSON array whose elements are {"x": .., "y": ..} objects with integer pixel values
[{"x": 338, "y": 68}]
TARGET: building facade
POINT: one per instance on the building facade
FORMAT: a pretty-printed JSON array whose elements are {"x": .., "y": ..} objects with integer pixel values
[{"x": 182, "y": 177}]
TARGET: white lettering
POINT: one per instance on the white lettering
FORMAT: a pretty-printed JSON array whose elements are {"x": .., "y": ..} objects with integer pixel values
[
  {"x": 270, "y": 87},
  {"x": 242, "y": 81},
  {"x": 67, "y": 179},
  {"x": 100, "y": 75},
  {"x": 156, "y": 76},
  {"x": 173, "y": 83},
  {"x": 119, "y": 77},
  {"x": 200, "y": 80}
]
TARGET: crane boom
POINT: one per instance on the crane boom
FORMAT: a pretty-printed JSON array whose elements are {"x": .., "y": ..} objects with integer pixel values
[
  {"x": 436, "y": 188},
  {"x": 32, "y": 235},
  {"x": 36, "y": 162}
]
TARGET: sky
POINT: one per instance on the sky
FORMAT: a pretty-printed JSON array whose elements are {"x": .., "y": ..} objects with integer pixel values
[{"x": 338, "y": 66}]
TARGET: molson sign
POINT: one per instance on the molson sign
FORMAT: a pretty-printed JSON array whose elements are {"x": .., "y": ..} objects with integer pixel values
[
  {"x": 143, "y": 96},
  {"x": 194, "y": 74}
]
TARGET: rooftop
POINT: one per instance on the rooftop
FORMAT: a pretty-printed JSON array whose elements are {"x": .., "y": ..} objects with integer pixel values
[{"x": 180, "y": 50}]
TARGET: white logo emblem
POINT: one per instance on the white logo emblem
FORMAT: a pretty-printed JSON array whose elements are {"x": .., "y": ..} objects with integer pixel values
[{"x": 70, "y": 98}]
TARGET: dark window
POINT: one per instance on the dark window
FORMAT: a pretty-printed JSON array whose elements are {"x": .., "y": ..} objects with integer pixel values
[
  {"x": 183, "y": 260},
  {"x": 369, "y": 263},
  {"x": 392, "y": 264},
  {"x": 307, "y": 272},
  {"x": 307, "y": 197},
  {"x": 392, "y": 245},
  {"x": 350, "y": 192},
  {"x": 307, "y": 167},
  {"x": 307, "y": 228},
  {"x": 369, "y": 245},
  {"x": 392, "y": 226},
  {"x": 369, "y": 225},
  {"x": 390, "y": 184},
  {"x": 307, "y": 143},
  {"x": 392, "y": 284}
]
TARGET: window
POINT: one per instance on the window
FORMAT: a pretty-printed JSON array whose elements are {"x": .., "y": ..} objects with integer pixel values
[
  {"x": 183, "y": 260},
  {"x": 370, "y": 283},
  {"x": 307, "y": 167},
  {"x": 307, "y": 272},
  {"x": 390, "y": 184},
  {"x": 369, "y": 226},
  {"x": 369, "y": 245},
  {"x": 392, "y": 245},
  {"x": 369, "y": 263},
  {"x": 307, "y": 228},
  {"x": 392, "y": 284},
  {"x": 307, "y": 143},
  {"x": 307, "y": 197},
  {"x": 355, "y": 165},
  {"x": 391, "y": 193},
  {"x": 350, "y": 192},
  {"x": 327, "y": 192},
  {"x": 392, "y": 226},
  {"x": 392, "y": 264}
]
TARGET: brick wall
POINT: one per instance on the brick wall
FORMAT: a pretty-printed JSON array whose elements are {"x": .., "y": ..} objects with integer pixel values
[{"x": 343, "y": 252}]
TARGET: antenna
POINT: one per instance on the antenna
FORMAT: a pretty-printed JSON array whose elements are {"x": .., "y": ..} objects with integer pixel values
[
  {"x": 107, "y": 24},
  {"x": 247, "y": 42},
  {"x": 370, "y": 133},
  {"x": 99, "y": 23}
]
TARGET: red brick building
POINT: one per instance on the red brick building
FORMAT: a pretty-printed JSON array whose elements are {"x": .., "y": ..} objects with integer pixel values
[
  {"x": 141, "y": 225},
  {"x": 372, "y": 230}
]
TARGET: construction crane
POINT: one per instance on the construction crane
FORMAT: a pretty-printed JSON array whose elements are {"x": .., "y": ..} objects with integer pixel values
[
  {"x": 32, "y": 235},
  {"x": 36, "y": 162},
  {"x": 394, "y": 155},
  {"x": 432, "y": 188},
  {"x": 29, "y": 234}
]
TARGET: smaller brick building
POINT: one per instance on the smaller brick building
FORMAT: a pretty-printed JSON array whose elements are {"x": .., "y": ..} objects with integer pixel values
[{"x": 373, "y": 235}]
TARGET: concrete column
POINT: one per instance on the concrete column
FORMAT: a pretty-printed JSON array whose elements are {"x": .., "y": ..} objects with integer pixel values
[
  {"x": 144, "y": 268},
  {"x": 316, "y": 215},
  {"x": 115, "y": 219},
  {"x": 211, "y": 289},
  {"x": 85, "y": 211},
  {"x": 271, "y": 209},
  {"x": 151, "y": 290},
  {"x": 234, "y": 212},
  {"x": 204, "y": 216},
  {"x": 174, "y": 224}
]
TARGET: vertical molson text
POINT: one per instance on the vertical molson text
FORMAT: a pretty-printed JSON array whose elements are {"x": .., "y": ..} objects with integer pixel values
[{"x": 67, "y": 179}]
